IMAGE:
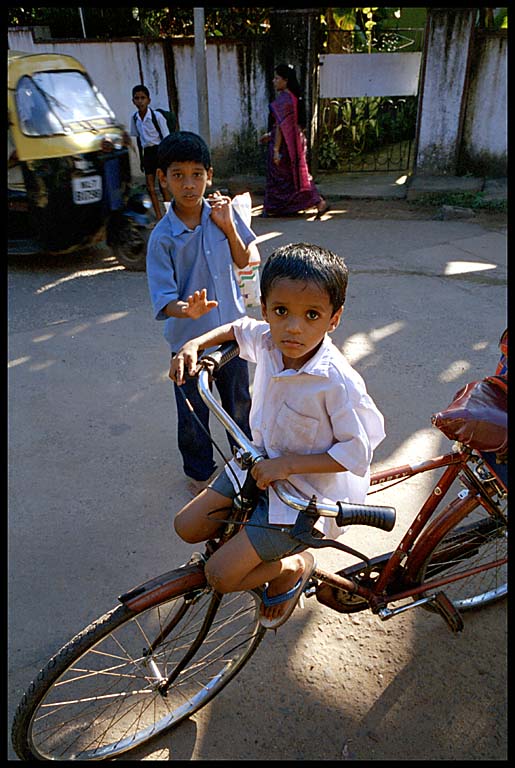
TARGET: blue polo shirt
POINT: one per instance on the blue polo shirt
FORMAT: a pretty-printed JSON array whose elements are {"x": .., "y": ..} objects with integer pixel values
[{"x": 181, "y": 261}]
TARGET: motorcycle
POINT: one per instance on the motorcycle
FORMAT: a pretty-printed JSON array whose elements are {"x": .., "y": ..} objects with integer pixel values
[{"x": 69, "y": 179}]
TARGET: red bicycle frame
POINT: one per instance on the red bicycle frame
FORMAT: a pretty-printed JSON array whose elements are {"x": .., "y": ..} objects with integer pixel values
[{"x": 410, "y": 552}]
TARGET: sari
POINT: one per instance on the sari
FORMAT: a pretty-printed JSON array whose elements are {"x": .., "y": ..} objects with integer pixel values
[{"x": 289, "y": 186}]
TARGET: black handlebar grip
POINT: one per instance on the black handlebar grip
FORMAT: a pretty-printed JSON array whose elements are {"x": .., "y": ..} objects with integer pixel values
[
  {"x": 223, "y": 354},
  {"x": 355, "y": 514}
]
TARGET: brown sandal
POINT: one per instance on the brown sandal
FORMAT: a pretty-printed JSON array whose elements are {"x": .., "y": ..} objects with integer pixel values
[{"x": 324, "y": 210}]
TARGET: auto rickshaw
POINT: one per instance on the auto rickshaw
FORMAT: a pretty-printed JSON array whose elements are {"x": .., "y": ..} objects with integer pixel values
[{"x": 69, "y": 181}]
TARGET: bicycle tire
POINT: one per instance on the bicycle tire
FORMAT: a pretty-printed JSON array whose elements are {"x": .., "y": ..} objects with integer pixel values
[
  {"x": 97, "y": 697},
  {"x": 465, "y": 537}
]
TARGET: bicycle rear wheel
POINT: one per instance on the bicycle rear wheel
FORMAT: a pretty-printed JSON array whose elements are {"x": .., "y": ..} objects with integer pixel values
[
  {"x": 98, "y": 696},
  {"x": 468, "y": 538}
]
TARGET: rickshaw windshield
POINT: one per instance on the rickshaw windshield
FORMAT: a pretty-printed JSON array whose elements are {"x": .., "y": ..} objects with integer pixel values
[{"x": 58, "y": 102}]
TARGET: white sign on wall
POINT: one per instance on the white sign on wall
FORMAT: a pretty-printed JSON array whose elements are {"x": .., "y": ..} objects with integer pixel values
[{"x": 369, "y": 74}]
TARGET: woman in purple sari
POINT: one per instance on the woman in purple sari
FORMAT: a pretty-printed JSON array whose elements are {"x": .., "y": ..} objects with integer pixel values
[{"x": 289, "y": 186}]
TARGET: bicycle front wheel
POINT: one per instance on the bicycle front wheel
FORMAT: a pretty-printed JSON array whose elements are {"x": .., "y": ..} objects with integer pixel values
[
  {"x": 467, "y": 539},
  {"x": 99, "y": 696}
]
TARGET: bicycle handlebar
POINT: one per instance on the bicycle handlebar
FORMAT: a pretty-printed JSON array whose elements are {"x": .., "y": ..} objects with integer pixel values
[
  {"x": 345, "y": 513},
  {"x": 222, "y": 354}
]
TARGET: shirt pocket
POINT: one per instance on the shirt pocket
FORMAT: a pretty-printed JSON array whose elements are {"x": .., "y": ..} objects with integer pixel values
[{"x": 293, "y": 432}]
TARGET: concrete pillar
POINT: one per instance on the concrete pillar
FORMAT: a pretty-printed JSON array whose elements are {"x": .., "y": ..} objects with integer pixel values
[
  {"x": 201, "y": 75},
  {"x": 442, "y": 96},
  {"x": 294, "y": 39}
]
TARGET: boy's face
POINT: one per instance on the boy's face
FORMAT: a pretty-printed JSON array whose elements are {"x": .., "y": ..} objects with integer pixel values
[
  {"x": 186, "y": 182},
  {"x": 299, "y": 314},
  {"x": 141, "y": 101}
]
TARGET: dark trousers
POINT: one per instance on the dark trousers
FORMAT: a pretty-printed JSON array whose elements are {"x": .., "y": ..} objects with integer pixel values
[{"x": 232, "y": 382}]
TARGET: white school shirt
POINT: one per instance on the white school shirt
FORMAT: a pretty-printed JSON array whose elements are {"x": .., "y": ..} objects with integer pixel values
[
  {"x": 146, "y": 130},
  {"x": 323, "y": 407}
]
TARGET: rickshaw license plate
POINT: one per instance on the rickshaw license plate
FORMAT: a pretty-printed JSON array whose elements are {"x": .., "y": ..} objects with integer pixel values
[{"x": 87, "y": 190}]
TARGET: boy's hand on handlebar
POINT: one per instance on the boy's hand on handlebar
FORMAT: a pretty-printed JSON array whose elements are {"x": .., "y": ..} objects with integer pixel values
[
  {"x": 184, "y": 361},
  {"x": 197, "y": 305},
  {"x": 266, "y": 471}
]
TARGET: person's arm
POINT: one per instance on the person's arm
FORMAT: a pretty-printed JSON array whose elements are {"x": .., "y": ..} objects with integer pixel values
[
  {"x": 164, "y": 291},
  {"x": 196, "y": 305},
  {"x": 221, "y": 214},
  {"x": 186, "y": 358},
  {"x": 277, "y": 145},
  {"x": 280, "y": 468},
  {"x": 133, "y": 125}
]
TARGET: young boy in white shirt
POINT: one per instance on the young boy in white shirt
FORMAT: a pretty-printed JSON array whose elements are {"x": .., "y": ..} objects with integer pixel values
[
  {"x": 150, "y": 128},
  {"x": 311, "y": 415}
]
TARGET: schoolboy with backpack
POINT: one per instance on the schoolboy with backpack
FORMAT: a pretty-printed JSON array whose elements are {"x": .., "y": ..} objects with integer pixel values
[{"x": 150, "y": 127}]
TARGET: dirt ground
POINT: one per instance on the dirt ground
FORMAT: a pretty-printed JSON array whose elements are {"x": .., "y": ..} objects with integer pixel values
[
  {"x": 350, "y": 687},
  {"x": 402, "y": 209},
  {"x": 404, "y": 689},
  {"x": 326, "y": 686}
]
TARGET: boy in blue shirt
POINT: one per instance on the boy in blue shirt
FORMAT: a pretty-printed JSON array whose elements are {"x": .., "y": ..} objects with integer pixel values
[{"x": 193, "y": 287}]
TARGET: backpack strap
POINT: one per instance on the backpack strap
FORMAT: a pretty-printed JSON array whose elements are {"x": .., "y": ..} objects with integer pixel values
[
  {"x": 156, "y": 123},
  {"x": 138, "y": 142}
]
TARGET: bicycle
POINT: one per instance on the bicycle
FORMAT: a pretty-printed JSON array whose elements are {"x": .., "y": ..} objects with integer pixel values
[{"x": 172, "y": 643}]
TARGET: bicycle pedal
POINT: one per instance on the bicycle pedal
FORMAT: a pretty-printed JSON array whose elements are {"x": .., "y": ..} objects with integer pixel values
[
  {"x": 448, "y": 612},
  {"x": 308, "y": 591}
]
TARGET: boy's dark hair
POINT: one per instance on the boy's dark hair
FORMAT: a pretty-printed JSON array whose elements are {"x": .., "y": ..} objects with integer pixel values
[
  {"x": 180, "y": 147},
  {"x": 142, "y": 88},
  {"x": 302, "y": 261}
]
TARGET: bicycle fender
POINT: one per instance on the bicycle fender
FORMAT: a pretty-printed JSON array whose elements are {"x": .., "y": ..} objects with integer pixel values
[
  {"x": 455, "y": 511},
  {"x": 163, "y": 587}
]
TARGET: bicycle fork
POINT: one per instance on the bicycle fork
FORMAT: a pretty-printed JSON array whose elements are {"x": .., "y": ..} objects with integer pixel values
[
  {"x": 164, "y": 683},
  {"x": 190, "y": 577}
]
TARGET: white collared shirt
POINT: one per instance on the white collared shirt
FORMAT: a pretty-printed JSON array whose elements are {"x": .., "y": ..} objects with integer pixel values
[
  {"x": 146, "y": 130},
  {"x": 323, "y": 407}
]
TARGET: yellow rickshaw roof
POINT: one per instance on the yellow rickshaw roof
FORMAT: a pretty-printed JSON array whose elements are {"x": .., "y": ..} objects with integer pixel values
[
  {"x": 59, "y": 145},
  {"x": 21, "y": 63}
]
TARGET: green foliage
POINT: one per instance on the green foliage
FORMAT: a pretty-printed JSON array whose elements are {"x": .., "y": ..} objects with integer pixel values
[
  {"x": 501, "y": 18},
  {"x": 376, "y": 30},
  {"x": 345, "y": 18},
  {"x": 353, "y": 127},
  {"x": 492, "y": 18},
  {"x": 398, "y": 118},
  {"x": 474, "y": 200},
  {"x": 106, "y": 23},
  {"x": 64, "y": 22},
  {"x": 329, "y": 153}
]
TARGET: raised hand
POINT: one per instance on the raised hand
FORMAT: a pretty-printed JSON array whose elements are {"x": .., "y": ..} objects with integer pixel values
[
  {"x": 221, "y": 212},
  {"x": 198, "y": 304}
]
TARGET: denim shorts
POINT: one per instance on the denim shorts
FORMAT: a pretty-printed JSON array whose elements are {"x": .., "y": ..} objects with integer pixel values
[{"x": 269, "y": 543}]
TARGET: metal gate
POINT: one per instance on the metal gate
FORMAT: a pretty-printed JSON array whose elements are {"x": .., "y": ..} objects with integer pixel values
[{"x": 367, "y": 111}]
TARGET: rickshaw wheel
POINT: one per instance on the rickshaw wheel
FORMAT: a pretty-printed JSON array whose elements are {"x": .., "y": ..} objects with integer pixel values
[{"x": 130, "y": 246}]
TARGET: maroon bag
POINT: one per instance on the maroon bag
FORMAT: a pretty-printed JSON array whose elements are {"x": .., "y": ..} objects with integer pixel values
[{"x": 477, "y": 416}]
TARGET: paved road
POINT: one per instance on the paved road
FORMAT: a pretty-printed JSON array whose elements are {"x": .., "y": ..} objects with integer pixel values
[{"x": 95, "y": 475}]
